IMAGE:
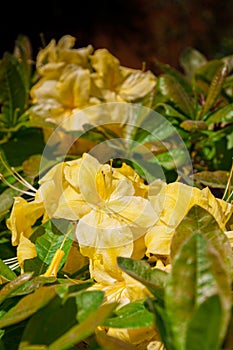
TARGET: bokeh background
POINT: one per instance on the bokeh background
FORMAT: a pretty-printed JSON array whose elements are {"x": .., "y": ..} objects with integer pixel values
[{"x": 135, "y": 31}]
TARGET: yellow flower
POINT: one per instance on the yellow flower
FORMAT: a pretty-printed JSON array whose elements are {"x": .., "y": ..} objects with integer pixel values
[
  {"x": 71, "y": 80},
  {"x": 23, "y": 216},
  {"x": 172, "y": 203},
  {"x": 111, "y": 216}
]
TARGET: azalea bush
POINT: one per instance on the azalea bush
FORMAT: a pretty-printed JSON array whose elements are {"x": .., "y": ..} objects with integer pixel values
[{"x": 116, "y": 196}]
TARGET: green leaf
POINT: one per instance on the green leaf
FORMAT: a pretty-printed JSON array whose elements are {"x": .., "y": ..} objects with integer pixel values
[
  {"x": 132, "y": 315},
  {"x": 169, "y": 111},
  {"x": 175, "y": 93},
  {"x": 31, "y": 285},
  {"x": 83, "y": 330},
  {"x": 11, "y": 286},
  {"x": 172, "y": 159},
  {"x": 27, "y": 306},
  {"x": 193, "y": 125},
  {"x": 203, "y": 330},
  {"x": 222, "y": 115},
  {"x": 88, "y": 302},
  {"x": 154, "y": 279},
  {"x": 207, "y": 71},
  {"x": 13, "y": 91},
  {"x": 162, "y": 323},
  {"x": 49, "y": 323},
  {"x": 215, "y": 88},
  {"x": 35, "y": 265},
  {"x": 175, "y": 74},
  {"x": 214, "y": 179},
  {"x": 190, "y": 60},
  {"x": 200, "y": 220},
  {"x": 198, "y": 267},
  {"x": 6, "y": 272},
  {"x": 23, "y": 53},
  {"x": 49, "y": 243}
]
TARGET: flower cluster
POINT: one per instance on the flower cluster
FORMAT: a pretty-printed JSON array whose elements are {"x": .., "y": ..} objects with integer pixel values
[{"x": 70, "y": 80}]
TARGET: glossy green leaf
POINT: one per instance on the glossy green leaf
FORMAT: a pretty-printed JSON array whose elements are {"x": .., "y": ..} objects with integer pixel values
[
  {"x": 33, "y": 284},
  {"x": 199, "y": 267},
  {"x": 23, "y": 53},
  {"x": 83, "y": 330},
  {"x": 207, "y": 71},
  {"x": 13, "y": 90},
  {"x": 172, "y": 159},
  {"x": 169, "y": 111},
  {"x": 215, "y": 88},
  {"x": 88, "y": 302},
  {"x": 6, "y": 272},
  {"x": 190, "y": 60},
  {"x": 174, "y": 92},
  {"x": 171, "y": 71},
  {"x": 132, "y": 315},
  {"x": 222, "y": 115},
  {"x": 200, "y": 220},
  {"x": 214, "y": 179},
  {"x": 11, "y": 286},
  {"x": 154, "y": 279},
  {"x": 193, "y": 125},
  {"x": 204, "y": 327},
  {"x": 49, "y": 323},
  {"x": 35, "y": 265},
  {"x": 47, "y": 245},
  {"x": 27, "y": 306}
]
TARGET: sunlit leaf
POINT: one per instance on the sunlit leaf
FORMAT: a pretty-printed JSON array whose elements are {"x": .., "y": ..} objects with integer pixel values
[
  {"x": 198, "y": 267},
  {"x": 49, "y": 243},
  {"x": 215, "y": 88},
  {"x": 88, "y": 302},
  {"x": 193, "y": 125},
  {"x": 27, "y": 306},
  {"x": 175, "y": 93},
  {"x": 200, "y": 220},
  {"x": 203, "y": 330},
  {"x": 10, "y": 287},
  {"x": 222, "y": 115},
  {"x": 132, "y": 315}
]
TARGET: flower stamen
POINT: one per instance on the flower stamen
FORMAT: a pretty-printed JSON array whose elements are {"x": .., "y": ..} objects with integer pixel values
[{"x": 16, "y": 188}]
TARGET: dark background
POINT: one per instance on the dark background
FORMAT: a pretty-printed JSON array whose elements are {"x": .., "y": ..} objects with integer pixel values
[{"x": 134, "y": 31}]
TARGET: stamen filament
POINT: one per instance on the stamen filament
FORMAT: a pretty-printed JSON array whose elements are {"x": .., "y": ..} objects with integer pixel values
[
  {"x": 23, "y": 181},
  {"x": 10, "y": 260},
  {"x": 15, "y": 188}
]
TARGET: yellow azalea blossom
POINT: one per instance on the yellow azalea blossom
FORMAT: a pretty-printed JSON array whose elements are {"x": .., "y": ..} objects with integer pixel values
[
  {"x": 110, "y": 217},
  {"x": 125, "y": 291},
  {"x": 25, "y": 250},
  {"x": 23, "y": 216},
  {"x": 71, "y": 80},
  {"x": 172, "y": 203}
]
